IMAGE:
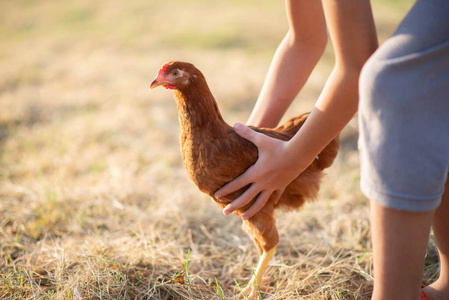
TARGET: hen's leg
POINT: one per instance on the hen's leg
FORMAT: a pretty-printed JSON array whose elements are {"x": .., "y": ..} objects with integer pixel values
[
  {"x": 255, "y": 284},
  {"x": 262, "y": 228}
]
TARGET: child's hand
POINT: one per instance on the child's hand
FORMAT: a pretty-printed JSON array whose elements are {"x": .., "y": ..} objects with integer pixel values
[{"x": 273, "y": 171}]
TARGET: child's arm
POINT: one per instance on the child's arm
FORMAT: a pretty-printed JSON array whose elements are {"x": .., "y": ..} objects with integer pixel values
[
  {"x": 351, "y": 28},
  {"x": 292, "y": 63}
]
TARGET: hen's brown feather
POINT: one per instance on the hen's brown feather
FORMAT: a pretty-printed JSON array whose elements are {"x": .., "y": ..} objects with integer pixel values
[{"x": 214, "y": 154}]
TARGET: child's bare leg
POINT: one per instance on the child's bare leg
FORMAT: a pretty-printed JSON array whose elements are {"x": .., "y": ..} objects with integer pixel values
[
  {"x": 440, "y": 288},
  {"x": 399, "y": 246}
]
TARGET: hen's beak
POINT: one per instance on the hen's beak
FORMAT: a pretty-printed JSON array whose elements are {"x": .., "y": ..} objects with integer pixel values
[
  {"x": 156, "y": 82},
  {"x": 160, "y": 80}
]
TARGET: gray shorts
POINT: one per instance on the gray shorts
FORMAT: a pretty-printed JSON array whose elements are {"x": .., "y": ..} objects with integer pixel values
[{"x": 404, "y": 112}]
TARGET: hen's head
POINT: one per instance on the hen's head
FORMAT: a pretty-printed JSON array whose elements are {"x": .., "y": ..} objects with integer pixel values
[{"x": 176, "y": 75}]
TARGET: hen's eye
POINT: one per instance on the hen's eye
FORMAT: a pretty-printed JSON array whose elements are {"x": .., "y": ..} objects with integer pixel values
[{"x": 175, "y": 73}]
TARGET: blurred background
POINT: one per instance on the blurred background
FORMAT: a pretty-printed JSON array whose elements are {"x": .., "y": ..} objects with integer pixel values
[{"x": 94, "y": 199}]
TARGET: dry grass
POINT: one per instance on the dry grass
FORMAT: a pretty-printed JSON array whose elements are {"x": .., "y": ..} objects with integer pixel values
[{"x": 94, "y": 200}]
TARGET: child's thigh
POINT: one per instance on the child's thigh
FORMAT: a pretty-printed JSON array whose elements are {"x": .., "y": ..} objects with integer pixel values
[{"x": 404, "y": 114}]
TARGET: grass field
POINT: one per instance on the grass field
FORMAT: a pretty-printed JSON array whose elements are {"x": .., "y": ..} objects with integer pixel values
[{"x": 94, "y": 199}]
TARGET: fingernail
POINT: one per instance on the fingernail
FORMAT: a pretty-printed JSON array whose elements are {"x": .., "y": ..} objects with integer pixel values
[
  {"x": 237, "y": 126},
  {"x": 244, "y": 217}
]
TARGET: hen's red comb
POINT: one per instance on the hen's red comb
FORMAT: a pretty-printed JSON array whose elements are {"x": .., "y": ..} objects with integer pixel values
[{"x": 163, "y": 68}]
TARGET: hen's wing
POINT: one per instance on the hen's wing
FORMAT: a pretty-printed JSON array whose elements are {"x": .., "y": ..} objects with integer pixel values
[
  {"x": 228, "y": 158},
  {"x": 287, "y": 130},
  {"x": 234, "y": 154}
]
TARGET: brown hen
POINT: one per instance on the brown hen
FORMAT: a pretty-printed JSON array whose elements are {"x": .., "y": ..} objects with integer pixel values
[{"x": 213, "y": 154}]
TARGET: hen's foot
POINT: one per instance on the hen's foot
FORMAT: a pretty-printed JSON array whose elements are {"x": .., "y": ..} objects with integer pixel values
[
  {"x": 256, "y": 283},
  {"x": 251, "y": 292}
]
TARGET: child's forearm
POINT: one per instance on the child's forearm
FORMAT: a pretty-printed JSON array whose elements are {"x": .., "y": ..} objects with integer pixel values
[
  {"x": 293, "y": 62},
  {"x": 289, "y": 70},
  {"x": 334, "y": 109},
  {"x": 353, "y": 34}
]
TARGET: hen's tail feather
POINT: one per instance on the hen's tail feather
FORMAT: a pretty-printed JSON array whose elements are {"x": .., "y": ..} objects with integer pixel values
[{"x": 328, "y": 154}]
